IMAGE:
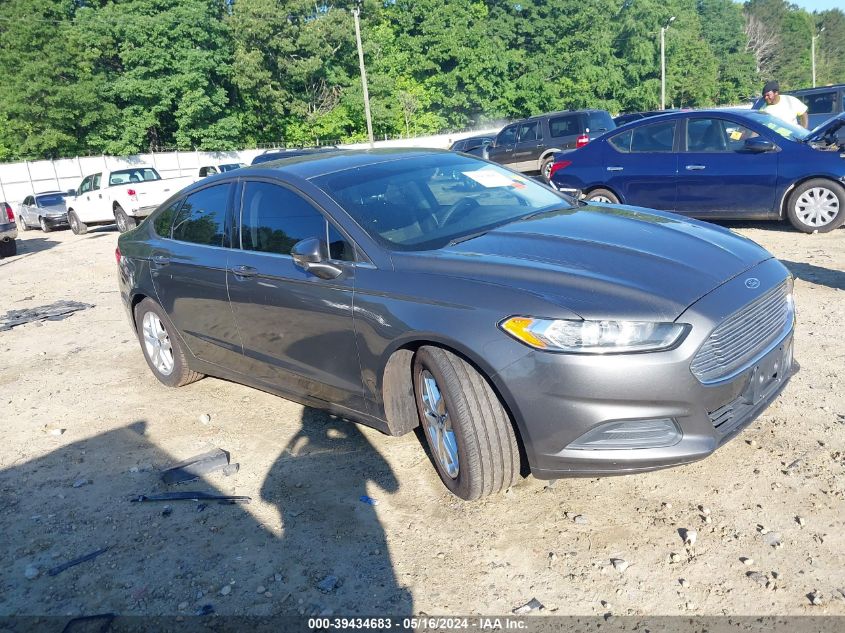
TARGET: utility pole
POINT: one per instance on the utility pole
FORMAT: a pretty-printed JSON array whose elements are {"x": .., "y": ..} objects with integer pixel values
[
  {"x": 813, "y": 53},
  {"x": 356, "y": 12},
  {"x": 663, "y": 30}
]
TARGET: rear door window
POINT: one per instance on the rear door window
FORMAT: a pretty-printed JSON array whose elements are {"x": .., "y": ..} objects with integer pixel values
[
  {"x": 820, "y": 102},
  {"x": 622, "y": 142},
  {"x": 568, "y": 125},
  {"x": 202, "y": 217},
  {"x": 95, "y": 182},
  {"x": 529, "y": 131},
  {"x": 657, "y": 137}
]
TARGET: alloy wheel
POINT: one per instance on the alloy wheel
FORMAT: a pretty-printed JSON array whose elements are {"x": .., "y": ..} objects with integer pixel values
[
  {"x": 438, "y": 425},
  {"x": 157, "y": 344}
]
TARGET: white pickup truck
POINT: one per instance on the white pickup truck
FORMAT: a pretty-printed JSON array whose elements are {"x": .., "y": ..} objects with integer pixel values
[{"x": 124, "y": 196}]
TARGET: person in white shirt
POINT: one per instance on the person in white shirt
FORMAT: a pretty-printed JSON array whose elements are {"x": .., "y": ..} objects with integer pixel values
[{"x": 784, "y": 107}]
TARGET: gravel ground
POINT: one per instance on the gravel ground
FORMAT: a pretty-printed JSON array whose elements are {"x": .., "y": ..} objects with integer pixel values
[{"x": 85, "y": 426}]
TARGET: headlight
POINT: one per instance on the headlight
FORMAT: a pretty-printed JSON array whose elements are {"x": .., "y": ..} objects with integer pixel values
[{"x": 594, "y": 337}]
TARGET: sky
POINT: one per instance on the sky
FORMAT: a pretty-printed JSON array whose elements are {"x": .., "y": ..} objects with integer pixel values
[{"x": 819, "y": 5}]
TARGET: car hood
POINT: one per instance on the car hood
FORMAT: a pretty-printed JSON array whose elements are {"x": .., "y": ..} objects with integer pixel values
[
  {"x": 831, "y": 126},
  {"x": 600, "y": 261}
]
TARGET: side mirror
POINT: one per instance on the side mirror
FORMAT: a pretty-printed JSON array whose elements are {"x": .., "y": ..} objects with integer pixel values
[
  {"x": 759, "y": 145},
  {"x": 309, "y": 254}
]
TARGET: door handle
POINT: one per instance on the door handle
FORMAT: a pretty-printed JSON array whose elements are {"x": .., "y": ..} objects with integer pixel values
[
  {"x": 695, "y": 167},
  {"x": 244, "y": 271},
  {"x": 101, "y": 196},
  {"x": 615, "y": 168},
  {"x": 161, "y": 260}
]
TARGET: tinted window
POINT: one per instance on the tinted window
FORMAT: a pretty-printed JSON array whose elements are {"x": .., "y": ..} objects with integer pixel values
[
  {"x": 274, "y": 218},
  {"x": 164, "y": 220},
  {"x": 600, "y": 122},
  {"x": 229, "y": 166},
  {"x": 52, "y": 200},
  {"x": 458, "y": 146},
  {"x": 622, "y": 142},
  {"x": 86, "y": 185},
  {"x": 28, "y": 201},
  {"x": 565, "y": 125},
  {"x": 125, "y": 176},
  {"x": 339, "y": 248},
  {"x": 529, "y": 131},
  {"x": 820, "y": 103},
  {"x": 657, "y": 137},
  {"x": 716, "y": 135},
  {"x": 507, "y": 136},
  {"x": 202, "y": 217},
  {"x": 95, "y": 183}
]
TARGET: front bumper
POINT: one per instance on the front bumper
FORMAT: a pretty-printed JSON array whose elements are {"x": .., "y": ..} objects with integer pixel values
[
  {"x": 142, "y": 212},
  {"x": 557, "y": 398},
  {"x": 56, "y": 221}
]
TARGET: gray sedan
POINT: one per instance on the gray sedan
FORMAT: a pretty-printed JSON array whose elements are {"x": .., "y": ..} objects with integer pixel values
[
  {"x": 45, "y": 210},
  {"x": 520, "y": 329}
]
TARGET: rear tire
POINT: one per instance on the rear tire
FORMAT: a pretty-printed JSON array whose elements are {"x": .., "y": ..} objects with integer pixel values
[
  {"x": 546, "y": 167},
  {"x": 8, "y": 248},
  {"x": 44, "y": 226},
  {"x": 817, "y": 206},
  {"x": 469, "y": 433},
  {"x": 78, "y": 228},
  {"x": 21, "y": 224},
  {"x": 161, "y": 346},
  {"x": 602, "y": 195},
  {"x": 124, "y": 222}
]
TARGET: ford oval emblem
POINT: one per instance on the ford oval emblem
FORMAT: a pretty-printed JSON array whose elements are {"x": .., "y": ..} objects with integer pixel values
[{"x": 752, "y": 282}]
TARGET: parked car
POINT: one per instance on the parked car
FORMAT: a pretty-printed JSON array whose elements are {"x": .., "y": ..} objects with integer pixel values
[
  {"x": 475, "y": 145},
  {"x": 8, "y": 231},
  {"x": 46, "y": 210},
  {"x": 719, "y": 164},
  {"x": 211, "y": 170},
  {"x": 530, "y": 145},
  {"x": 124, "y": 196},
  {"x": 629, "y": 117},
  {"x": 402, "y": 288},
  {"x": 277, "y": 154},
  {"x": 822, "y": 102}
]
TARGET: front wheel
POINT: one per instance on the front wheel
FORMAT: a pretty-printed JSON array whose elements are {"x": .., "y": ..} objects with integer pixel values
[
  {"x": 602, "y": 195},
  {"x": 124, "y": 222},
  {"x": 469, "y": 433},
  {"x": 78, "y": 228},
  {"x": 817, "y": 206},
  {"x": 44, "y": 226},
  {"x": 162, "y": 349}
]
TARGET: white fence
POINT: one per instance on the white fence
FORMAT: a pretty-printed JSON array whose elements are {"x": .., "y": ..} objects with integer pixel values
[{"x": 18, "y": 180}]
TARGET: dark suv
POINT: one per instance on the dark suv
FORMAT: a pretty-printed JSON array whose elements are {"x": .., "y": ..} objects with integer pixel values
[{"x": 529, "y": 145}]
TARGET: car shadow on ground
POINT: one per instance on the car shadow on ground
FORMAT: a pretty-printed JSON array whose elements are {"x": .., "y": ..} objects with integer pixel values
[
  {"x": 313, "y": 546},
  {"x": 816, "y": 274},
  {"x": 28, "y": 247},
  {"x": 763, "y": 225}
]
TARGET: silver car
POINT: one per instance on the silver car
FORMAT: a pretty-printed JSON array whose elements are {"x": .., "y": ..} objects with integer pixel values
[{"x": 45, "y": 210}]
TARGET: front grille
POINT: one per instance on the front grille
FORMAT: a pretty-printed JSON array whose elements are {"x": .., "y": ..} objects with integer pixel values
[{"x": 742, "y": 336}]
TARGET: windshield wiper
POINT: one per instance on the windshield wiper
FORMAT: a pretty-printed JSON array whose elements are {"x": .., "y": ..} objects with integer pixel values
[{"x": 467, "y": 238}]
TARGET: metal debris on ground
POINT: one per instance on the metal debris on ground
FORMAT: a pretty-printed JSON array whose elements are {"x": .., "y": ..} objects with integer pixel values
[
  {"x": 528, "y": 607},
  {"x": 206, "y": 609},
  {"x": 54, "y": 312},
  {"x": 328, "y": 584},
  {"x": 368, "y": 500},
  {"x": 191, "y": 495},
  {"x": 191, "y": 468},
  {"x": 76, "y": 561}
]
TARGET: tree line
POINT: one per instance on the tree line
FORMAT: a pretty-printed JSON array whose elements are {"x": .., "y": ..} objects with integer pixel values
[{"x": 124, "y": 76}]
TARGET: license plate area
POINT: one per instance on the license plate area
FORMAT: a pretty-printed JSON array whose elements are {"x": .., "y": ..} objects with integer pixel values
[{"x": 767, "y": 374}]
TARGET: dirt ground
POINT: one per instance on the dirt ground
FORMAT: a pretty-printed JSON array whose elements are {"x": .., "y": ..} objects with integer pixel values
[{"x": 85, "y": 426}]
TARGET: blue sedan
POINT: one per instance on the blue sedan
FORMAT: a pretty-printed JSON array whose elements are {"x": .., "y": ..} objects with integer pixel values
[{"x": 717, "y": 164}]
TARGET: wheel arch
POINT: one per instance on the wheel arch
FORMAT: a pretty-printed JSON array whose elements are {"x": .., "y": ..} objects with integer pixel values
[
  {"x": 547, "y": 154},
  {"x": 784, "y": 199},
  {"x": 397, "y": 389},
  {"x": 591, "y": 188}
]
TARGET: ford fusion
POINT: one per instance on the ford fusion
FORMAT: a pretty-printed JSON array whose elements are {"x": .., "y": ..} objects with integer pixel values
[{"x": 521, "y": 331}]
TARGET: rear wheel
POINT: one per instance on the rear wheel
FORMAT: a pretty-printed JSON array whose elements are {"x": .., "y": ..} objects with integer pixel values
[
  {"x": 78, "y": 228},
  {"x": 546, "y": 167},
  {"x": 44, "y": 226},
  {"x": 124, "y": 222},
  {"x": 817, "y": 206},
  {"x": 602, "y": 195},
  {"x": 469, "y": 433},
  {"x": 21, "y": 224},
  {"x": 8, "y": 248},
  {"x": 162, "y": 349}
]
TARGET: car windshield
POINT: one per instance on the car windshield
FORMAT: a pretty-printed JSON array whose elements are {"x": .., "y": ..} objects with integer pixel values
[
  {"x": 790, "y": 131},
  {"x": 138, "y": 174},
  {"x": 427, "y": 202},
  {"x": 51, "y": 200}
]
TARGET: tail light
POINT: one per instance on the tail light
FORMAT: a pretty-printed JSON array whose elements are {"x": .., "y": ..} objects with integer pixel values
[
  {"x": 561, "y": 164},
  {"x": 9, "y": 213},
  {"x": 117, "y": 255},
  {"x": 582, "y": 140},
  {"x": 131, "y": 192}
]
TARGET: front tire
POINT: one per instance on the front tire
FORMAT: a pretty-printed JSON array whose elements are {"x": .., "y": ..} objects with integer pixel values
[
  {"x": 469, "y": 433},
  {"x": 817, "y": 206},
  {"x": 124, "y": 222},
  {"x": 604, "y": 196},
  {"x": 78, "y": 228},
  {"x": 44, "y": 226},
  {"x": 162, "y": 348}
]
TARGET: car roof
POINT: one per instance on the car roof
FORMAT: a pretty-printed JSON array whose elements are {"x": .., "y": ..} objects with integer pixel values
[
  {"x": 562, "y": 112},
  {"x": 317, "y": 164}
]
